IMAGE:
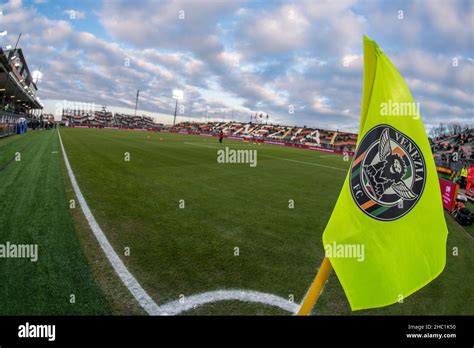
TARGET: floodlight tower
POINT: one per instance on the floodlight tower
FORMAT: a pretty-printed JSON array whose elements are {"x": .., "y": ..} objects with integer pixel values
[
  {"x": 136, "y": 101},
  {"x": 178, "y": 95}
]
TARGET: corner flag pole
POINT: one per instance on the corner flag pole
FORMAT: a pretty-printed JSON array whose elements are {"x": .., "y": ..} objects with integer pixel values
[{"x": 315, "y": 289}]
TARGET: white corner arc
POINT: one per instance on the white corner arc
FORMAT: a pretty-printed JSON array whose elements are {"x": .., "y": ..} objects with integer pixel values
[{"x": 137, "y": 291}]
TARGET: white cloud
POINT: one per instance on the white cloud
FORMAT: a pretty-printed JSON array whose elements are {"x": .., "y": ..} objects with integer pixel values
[{"x": 253, "y": 58}]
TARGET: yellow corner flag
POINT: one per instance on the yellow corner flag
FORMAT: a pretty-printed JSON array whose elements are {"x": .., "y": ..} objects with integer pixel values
[{"x": 386, "y": 237}]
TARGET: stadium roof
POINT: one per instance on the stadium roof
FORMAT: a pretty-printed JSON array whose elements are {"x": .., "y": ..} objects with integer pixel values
[{"x": 16, "y": 81}]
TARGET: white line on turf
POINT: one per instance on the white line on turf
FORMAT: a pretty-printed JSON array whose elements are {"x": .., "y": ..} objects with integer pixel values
[
  {"x": 280, "y": 158},
  {"x": 194, "y": 301},
  {"x": 124, "y": 274},
  {"x": 145, "y": 301},
  {"x": 195, "y": 144},
  {"x": 303, "y": 162}
]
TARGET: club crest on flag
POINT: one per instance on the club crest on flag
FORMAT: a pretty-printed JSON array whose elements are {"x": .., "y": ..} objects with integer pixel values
[{"x": 388, "y": 174}]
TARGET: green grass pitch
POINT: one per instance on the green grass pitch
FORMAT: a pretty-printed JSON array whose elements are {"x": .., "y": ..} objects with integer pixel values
[{"x": 176, "y": 251}]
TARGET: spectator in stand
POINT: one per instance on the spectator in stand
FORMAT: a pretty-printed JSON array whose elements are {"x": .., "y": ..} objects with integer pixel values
[
  {"x": 470, "y": 181},
  {"x": 463, "y": 177}
]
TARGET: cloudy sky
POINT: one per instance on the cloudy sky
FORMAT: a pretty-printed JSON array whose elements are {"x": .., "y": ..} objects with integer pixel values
[{"x": 298, "y": 61}]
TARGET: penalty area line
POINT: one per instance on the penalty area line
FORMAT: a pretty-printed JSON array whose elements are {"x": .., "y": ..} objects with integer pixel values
[
  {"x": 303, "y": 162},
  {"x": 142, "y": 297},
  {"x": 280, "y": 158},
  {"x": 201, "y": 145}
]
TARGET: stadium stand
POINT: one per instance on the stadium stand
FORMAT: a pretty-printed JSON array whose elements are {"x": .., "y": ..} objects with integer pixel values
[
  {"x": 450, "y": 151},
  {"x": 21, "y": 108},
  {"x": 454, "y": 159},
  {"x": 325, "y": 139},
  {"x": 453, "y": 151},
  {"x": 103, "y": 118}
]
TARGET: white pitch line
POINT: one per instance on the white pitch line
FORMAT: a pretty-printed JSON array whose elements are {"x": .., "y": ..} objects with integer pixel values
[
  {"x": 142, "y": 297},
  {"x": 280, "y": 158},
  {"x": 124, "y": 274},
  {"x": 194, "y": 301},
  {"x": 303, "y": 162},
  {"x": 195, "y": 144}
]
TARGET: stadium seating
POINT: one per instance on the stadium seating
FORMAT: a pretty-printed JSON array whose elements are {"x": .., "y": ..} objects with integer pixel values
[
  {"x": 454, "y": 151},
  {"x": 107, "y": 119},
  {"x": 341, "y": 141}
]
